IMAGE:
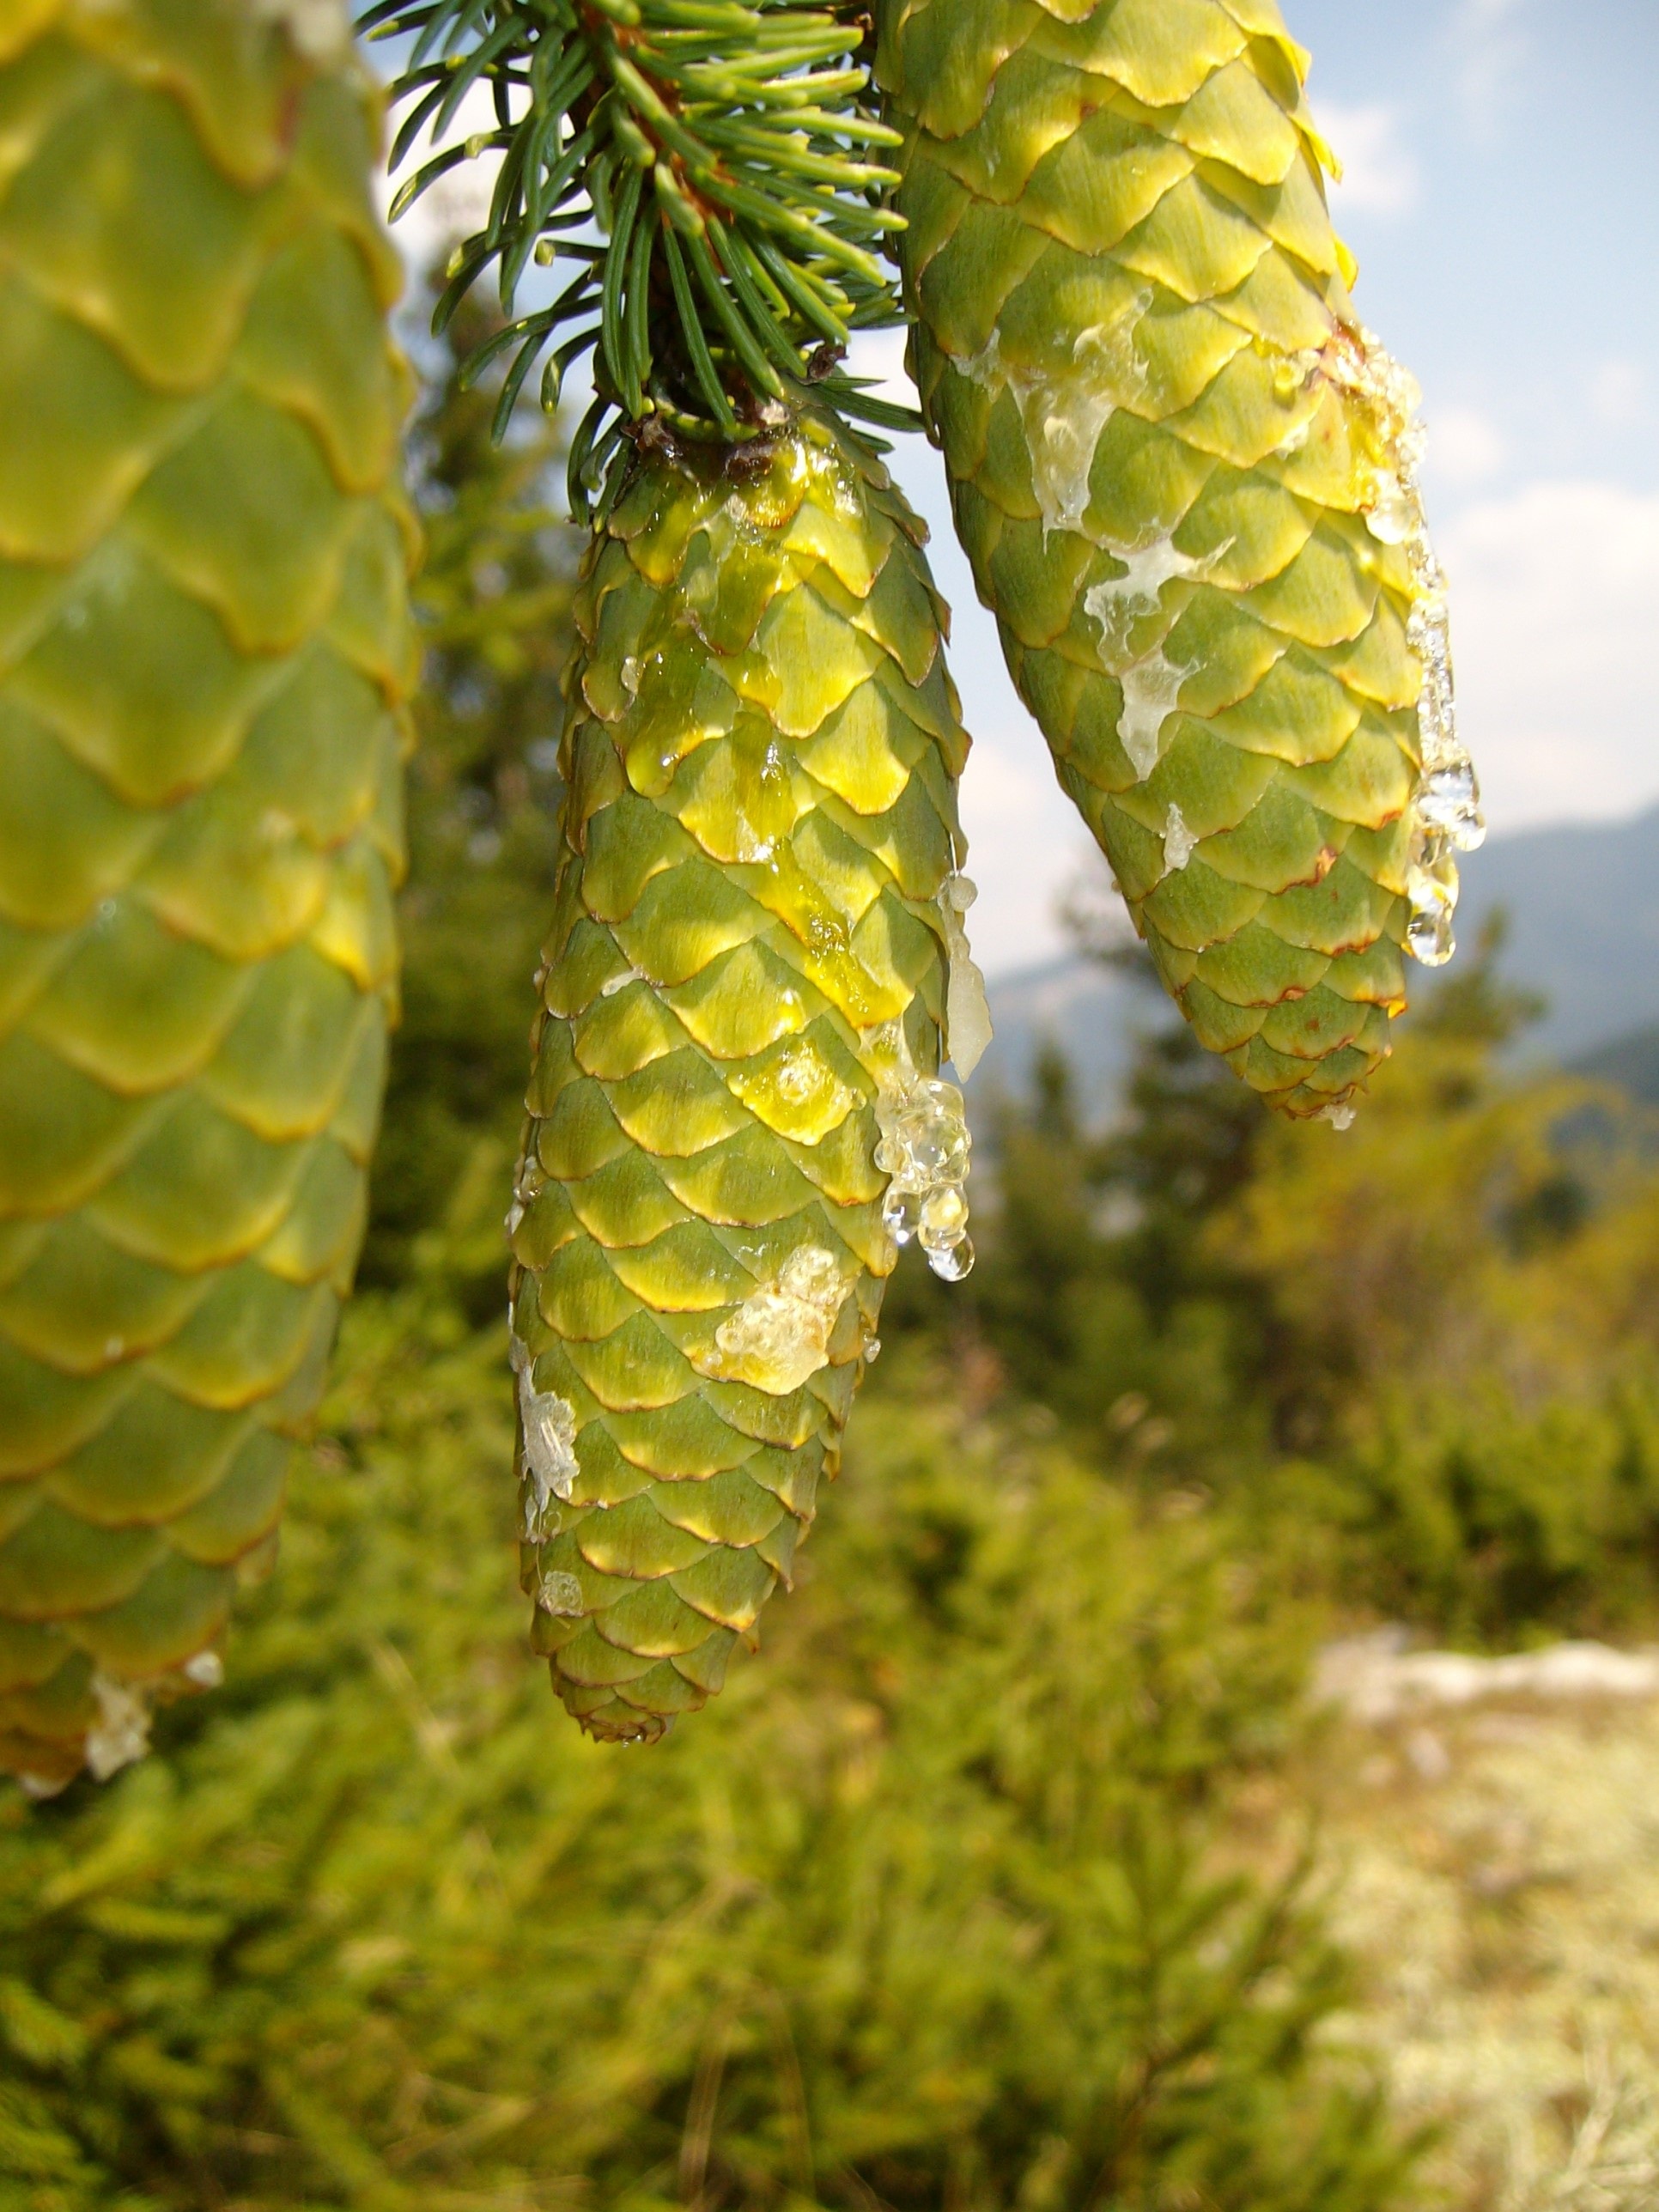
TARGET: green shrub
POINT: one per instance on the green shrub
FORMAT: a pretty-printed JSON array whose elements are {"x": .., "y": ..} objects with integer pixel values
[
  {"x": 1491, "y": 1522},
  {"x": 926, "y": 1913},
  {"x": 1416, "y": 1366}
]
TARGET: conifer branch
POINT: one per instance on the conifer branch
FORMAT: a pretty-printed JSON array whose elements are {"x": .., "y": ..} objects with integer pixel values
[{"x": 712, "y": 171}]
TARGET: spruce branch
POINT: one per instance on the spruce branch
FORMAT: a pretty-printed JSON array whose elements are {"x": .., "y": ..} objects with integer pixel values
[{"x": 712, "y": 171}]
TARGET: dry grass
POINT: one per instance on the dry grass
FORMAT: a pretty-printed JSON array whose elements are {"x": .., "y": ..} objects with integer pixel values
[{"x": 1499, "y": 1882}]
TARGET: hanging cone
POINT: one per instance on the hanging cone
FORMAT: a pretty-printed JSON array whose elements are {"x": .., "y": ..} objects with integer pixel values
[
  {"x": 204, "y": 644},
  {"x": 757, "y": 959},
  {"x": 734, "y": 1113},
  {"x": 1187, "y": 480}
]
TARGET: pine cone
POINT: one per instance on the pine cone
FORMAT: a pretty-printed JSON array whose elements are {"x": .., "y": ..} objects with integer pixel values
[
  {"x": 735, "y": 1114},
  {"x": 1187, "y": 480},
  {"x": 204, "y": 647}
]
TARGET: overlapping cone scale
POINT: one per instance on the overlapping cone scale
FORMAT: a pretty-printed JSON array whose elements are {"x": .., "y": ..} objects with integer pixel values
[
  {"x": 204, "y": 646},
  {"x": 748, "y": 954},
  {"x": 1182, "y": 496}
]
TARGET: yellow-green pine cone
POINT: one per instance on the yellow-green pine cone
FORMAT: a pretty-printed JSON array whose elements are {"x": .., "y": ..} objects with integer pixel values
[
  {"x": 204, "y": 647},
  {"x": 1186, "y": 478},
  {"x": 742, "y": 1006}
]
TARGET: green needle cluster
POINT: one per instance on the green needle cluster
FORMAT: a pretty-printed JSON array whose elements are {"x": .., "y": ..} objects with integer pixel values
[{"x": 710, "y": 170}]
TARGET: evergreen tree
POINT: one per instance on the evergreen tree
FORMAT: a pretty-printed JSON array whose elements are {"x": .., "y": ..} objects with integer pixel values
[
  {"x": 1102, "y": 1292},
  {"x": 1412, "y": 1362}
]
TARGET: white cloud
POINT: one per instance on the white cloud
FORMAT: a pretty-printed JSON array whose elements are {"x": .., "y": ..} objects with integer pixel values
[
  {"x": 1493, "y": 44},
  {"x": 1555, "y": 609},
  {"x": 459, "y": 202},
  {"x": 1380, "y": 175},
  {"x": 1465, "y": 446},
  {"x": 880, "y": 354},
  {"x": 1619, "y": 393}
]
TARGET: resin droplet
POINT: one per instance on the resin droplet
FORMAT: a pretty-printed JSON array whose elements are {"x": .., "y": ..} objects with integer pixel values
[
  {"x": 1121, "y": 607},
  {"x": 1122, "y": 602},
  {"x": 1429, "y": 936},
  {"x": 120, "y": 1734},
  {"x": 559, "y": 1593},
  {"x": 900, "y": 1211},
  {"x": 924, "y": 1149},
  {"x": 1391, "y": 515},
  {"x": 943, "y": 1222},
  {"x": 1446, "y": 805},
  {"x": 1449, "y": 801},
  {"x": 804, "y": 1078},
  {"x": 748, "y": 844},
  {"x": 1151, "y": 689},
  {"x": 798, "y": 1092},
  {"x": 924, "y": 1137},
  {"x": 206, "y": 1669},
  {"x": 967, "y": 1015},
  {"x": 530, "y": 1182},
  {"x": 955, "y": 1262},
  {"x": 1179, "y": 842},
  {"x": 550, "y": 1465},
  {"x": 1432, "y": 886},
  {"x": 781, "y": 1335},
  {"x": 1064, "y": 405},
  {"x": 1340, "y": 1114}
]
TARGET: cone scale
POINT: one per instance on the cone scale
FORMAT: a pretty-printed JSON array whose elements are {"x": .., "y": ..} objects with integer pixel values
[
  {"x": 1186, "y": 478},
  {"x": 735, "y": 1112},
  {"x": 204, "y": 647}
]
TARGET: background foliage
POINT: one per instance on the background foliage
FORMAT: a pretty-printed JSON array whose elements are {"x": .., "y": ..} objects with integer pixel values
[
  {"x": 920, "y": 1917},
  {"x": 1415, "y": 1364},
  {"x": 494, "y": 597},
  {"x": 944, "y": 1904}
]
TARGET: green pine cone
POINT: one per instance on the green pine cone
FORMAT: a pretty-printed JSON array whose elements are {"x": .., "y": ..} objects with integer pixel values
[
  {"x": 204, "y": 647},
  {"x": 1186, "y": 481},
  {"x": 734, "y": 1115}
]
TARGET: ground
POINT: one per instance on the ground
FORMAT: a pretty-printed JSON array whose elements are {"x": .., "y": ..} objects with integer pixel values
[{"x": 1498, "y": 1863}]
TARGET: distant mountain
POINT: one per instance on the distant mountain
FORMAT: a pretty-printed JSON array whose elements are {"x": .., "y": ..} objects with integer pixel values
[
  {"x": 1633, "y": 1062},
  {"x": 1582, "y": 902},
  {"x": 1092, "y": 1013},
  {"x": 1583, "y": 907}
]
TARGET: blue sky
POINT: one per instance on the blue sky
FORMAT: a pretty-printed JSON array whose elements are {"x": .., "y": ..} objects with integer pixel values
[
  {"x": 1498, "y": 150},
  {"x": 1502, "y": 193}
]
